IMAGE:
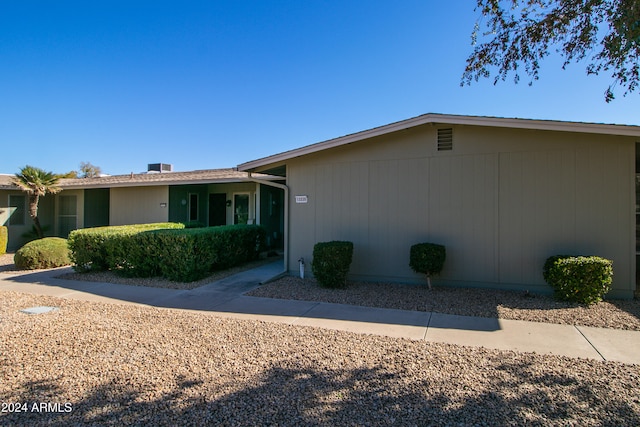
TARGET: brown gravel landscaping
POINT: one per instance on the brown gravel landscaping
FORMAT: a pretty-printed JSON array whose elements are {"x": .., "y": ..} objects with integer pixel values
[
  {"x": 109, "y": 364},
  {"x": 616, "y": 314}
]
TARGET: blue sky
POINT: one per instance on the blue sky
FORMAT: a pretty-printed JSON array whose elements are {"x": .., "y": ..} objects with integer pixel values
[{"x": 213, "y": 84}]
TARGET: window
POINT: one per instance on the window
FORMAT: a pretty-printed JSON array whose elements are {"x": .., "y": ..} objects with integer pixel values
[
  {"x": 240, "y": 208},
  {"x": 18, "y": 203},
  {"x": 67, "y": 215},
  {"x": 193, "y": 207}
]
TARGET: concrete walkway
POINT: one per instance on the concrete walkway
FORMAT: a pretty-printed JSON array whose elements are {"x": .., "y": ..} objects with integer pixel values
[{"x": 225, "y": 298}]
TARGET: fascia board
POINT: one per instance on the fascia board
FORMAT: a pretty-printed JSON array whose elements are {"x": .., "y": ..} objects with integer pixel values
[
  {"x": 156, "y": 183},
  {"x": 444, "y": 119}
]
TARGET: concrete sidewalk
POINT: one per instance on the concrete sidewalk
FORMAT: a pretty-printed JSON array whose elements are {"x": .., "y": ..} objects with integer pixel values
[{"x": 225, "y": 298}]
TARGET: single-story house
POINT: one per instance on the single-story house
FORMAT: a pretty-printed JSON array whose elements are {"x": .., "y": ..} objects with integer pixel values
[
  {"x": 206, "y": 197},
  {"x": 501, "y": 194}
]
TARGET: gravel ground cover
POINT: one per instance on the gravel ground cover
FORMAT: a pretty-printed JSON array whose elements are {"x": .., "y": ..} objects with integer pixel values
[
  {"x": 617, "y": 314},
  {"x": 6, "y": 264},
  {"x": 109, "y": 364}
]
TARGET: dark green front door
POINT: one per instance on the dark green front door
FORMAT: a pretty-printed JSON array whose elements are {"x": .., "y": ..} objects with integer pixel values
[
  {"x": 96, "y": 207},
  {"x": 217, "y": 209}
]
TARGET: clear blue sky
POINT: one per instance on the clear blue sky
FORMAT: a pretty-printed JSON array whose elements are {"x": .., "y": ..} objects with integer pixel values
[{"x": 216, "y": 83}]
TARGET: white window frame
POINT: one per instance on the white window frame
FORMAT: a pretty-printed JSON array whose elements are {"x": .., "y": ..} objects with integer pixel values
[{"x": 249, "y": 210}]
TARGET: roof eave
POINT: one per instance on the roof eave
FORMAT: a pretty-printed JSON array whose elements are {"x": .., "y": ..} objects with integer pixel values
[
  {"x": 152, "y": 183},
  {"x": 514, "y": 123}
]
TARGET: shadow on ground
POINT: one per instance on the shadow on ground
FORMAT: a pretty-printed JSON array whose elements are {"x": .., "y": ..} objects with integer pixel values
[{"x": 513, "y": 394}]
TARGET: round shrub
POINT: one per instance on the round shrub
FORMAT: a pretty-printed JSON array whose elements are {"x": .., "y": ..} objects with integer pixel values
[
  {"x": 427, "y": 258},
  {"x": 581, "y": 279},
  {"x": 331, "y": 262},
  {"x": 49, "y": 252}
]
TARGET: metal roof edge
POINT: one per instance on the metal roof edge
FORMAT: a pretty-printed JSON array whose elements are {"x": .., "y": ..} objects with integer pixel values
[{"x": 515, "y": 123}]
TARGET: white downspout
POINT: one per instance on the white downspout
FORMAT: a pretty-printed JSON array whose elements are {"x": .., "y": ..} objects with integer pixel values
[{"x": 286, "y": 215}]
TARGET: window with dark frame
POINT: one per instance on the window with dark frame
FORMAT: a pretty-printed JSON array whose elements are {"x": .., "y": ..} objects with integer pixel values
[
  {"x": 18, "y": 202},
  {"x": 193, "y": 207}
]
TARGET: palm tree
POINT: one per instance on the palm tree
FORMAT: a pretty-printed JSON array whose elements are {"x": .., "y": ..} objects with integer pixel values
[{"x": 36, "y": 183}]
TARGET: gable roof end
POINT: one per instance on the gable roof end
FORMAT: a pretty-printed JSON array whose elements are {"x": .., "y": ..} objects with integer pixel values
[{"x": 514, "y": 123}]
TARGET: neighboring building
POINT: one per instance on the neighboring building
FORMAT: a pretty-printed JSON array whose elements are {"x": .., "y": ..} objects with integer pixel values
[
  {"x": 501, "y": 194},
  {"x": 206, "y": 197}
]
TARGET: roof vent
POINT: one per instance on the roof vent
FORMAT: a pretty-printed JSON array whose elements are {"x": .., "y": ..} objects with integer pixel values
[
  {"x": 445, "y": 139},
  {"x": 159, "y": 167}
]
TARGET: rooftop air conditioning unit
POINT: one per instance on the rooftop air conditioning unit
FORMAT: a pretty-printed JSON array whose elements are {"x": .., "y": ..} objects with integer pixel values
[{"x": 159, "y": 167}]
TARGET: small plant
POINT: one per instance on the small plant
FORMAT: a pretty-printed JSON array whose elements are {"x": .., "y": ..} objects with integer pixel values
[
  {"x": 427, "y": 258},
  {"x": 4, "y": 239},
  {"x": 581, "y": 279},
  {"x": 49, "y": 252},
  {"x": 193, "y": 224},
  {"x": 331, "y": 262}
]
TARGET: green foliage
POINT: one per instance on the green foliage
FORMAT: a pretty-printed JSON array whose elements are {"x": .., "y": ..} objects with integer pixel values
[
  {"x": 581, "y": 279},
  {"x": 4, "y": 239},
  {"x": 87, "y": 170},
  {"x": 427, "y": 258},
  {"x": 192, "y": 254},
  {"x": 331, "y": 262},
  {"x": 522, "y": 33},
  {"x": 36, "y": 183},
  {"x": 49, "y": 252},
  {"x": 193, "y": 224},
  {"x": 173, "y": 252},
  {"x": 95, "y": 249}
]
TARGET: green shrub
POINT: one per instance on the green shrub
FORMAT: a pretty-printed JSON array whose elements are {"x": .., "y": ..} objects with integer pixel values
[
  {"x": 427, "y": 258},
  {"x": 178, "y": 254},
  {"x": 98, "y": 249},
  {"x": 331, "y": 261},
  {"x": 189, "y": 255},
  {"x": 581, "y": 279},
  {"x": 49, "y": 252},
  {"x": 4, "y": 239}
]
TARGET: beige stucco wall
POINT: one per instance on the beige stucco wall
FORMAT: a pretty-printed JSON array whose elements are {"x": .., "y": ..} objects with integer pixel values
[
  {"x": 501, "y": 202},
  {"x": 138, "y": 205}
]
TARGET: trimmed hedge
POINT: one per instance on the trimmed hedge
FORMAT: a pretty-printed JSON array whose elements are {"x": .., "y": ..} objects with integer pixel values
[
  {"x": 4, "y": 239},
  {"x": 427, "y": 258},
  {"x": 331, "y": 262},
  {"x": 49, "y": 252},
  {"x": 581, "y": 279},
  {"x": 177, "y": 254},
  {"x": 98, "y": 249},
  {"x": 191, "y": 254}
]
